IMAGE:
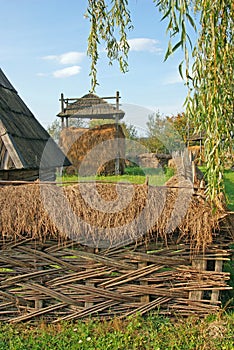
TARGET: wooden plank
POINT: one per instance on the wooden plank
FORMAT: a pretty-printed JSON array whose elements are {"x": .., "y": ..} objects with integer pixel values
[
  {"x": 87, "y": 312},
  {"x": 37, "y": 313},
  {"x": 147, "y": 307},
  {"x": 50, "y": 258},
  {"x": 49, "y": 292},
  {"x": 154, "y": 290},
  {"x": 131, "y": 276},
  {"x": 83, "y": 275},
  {"x": 95, "y": 291},
  {"x": 15, "y": 279},
  {"x": 10, "y": 261},
  {"x": 164, "y": 260},
  {"x": 103, "y": 259},
  {"x": 7, "y": 140}
]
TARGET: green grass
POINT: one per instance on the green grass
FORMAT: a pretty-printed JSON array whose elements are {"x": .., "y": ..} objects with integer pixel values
[
  {"x": 136, "y": 175},
  {"x": 229, "y": 186},
  {"x": 154, "y": 332}
]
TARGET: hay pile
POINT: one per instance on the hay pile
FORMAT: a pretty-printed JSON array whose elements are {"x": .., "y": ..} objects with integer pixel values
[
  {"x": 197, "y": 153},
  {"x": 93, "y": 149},
  {"x": 104, "y": 215},
  {"x": 153, "y": 160}
]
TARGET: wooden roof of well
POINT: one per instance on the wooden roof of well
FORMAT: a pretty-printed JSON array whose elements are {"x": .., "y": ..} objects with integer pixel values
[
  {"x": 91, "y": 106},
  {"x": 22, "y": 135}
]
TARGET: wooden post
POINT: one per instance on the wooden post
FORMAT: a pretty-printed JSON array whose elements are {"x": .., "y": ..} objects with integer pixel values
[
  {"x": 88, "y": 303},
  {"x": 88, "y": 282},
  {"x": 194, "y": 177},
  {"x": 199, "y": 264},
  {"x": 144, "y": 298},
  {"x": 62, "y": 103},
  {"x": 117, "y": 135},
  {"x": 62, "y": 110},
  {"x": 38, "y": 304},
  {"x": 218, "y": 268},
  {"x": 200, "y": 158},
  {"x": 62, "y": 119},
  {"x": 117, "y": 100}
]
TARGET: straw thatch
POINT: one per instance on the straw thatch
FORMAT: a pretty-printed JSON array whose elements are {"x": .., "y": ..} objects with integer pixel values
[
  {"x": 107, "y": 214},
  {"x": 25, "y": 146},
  {"x": 94, "y": 149},
  {"x": 90, "y": 106}
]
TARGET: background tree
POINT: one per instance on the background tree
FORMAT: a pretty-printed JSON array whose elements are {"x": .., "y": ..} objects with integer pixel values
[
  {"x": 180, "y": 123},
  {"x": 55, "y": 127},
  {"x": 155, "y": 125},
  {"x": 165, "y": 134},
  {"x": 209, "y": 105}
]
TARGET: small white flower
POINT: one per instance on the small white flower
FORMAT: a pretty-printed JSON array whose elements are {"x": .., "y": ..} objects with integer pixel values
[
  {"x": 80, "y": 341},
  {"x": 75, "y": 329},
  {"x": 88, "y": 339}
]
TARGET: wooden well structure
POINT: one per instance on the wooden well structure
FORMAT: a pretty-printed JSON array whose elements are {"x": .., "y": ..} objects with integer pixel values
[{"x": 91, "y": 106}]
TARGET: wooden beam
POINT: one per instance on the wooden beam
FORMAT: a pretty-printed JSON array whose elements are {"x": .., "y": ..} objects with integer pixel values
[{"x": 8, "y": 143}]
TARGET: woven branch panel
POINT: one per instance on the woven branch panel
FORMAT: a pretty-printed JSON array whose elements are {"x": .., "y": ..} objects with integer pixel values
[{"x": 68, "y": 282}]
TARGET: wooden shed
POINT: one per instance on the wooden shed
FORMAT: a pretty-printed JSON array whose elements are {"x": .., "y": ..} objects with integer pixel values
[{"x": 27, "y": 151}]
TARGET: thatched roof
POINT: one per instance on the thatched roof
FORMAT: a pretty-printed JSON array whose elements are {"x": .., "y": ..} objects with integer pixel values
[
  {"x": 91, "y": 106},
  {"x": 22, "y": 137}
]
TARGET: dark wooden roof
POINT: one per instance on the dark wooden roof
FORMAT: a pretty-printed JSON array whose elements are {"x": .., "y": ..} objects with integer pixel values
[
  {"x": 91, "y": 106},
  {"x": 22, "y": 135}
]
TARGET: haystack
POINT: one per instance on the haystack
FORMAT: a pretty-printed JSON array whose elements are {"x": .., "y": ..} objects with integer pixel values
[
  {"x": 94, "y": 151},
  {"x": 153, "y": 160},
  {"x": 197, "y": 153}
]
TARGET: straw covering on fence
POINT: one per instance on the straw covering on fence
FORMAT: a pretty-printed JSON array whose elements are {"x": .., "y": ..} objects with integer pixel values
[{"x": 106, "y": 214}]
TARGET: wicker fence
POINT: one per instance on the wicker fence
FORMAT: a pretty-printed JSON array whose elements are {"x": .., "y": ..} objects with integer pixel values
[{"x": 67, "y": 281}]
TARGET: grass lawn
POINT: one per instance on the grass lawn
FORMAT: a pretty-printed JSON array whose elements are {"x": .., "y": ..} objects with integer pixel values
[
  {"x": 229, "y": 188},
  {"x": 136, "y": 333},
  {"x": 136, "y": 175}
]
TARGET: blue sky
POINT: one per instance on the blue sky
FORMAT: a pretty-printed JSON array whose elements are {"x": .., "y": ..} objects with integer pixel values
[{"x": 43, "y": 53}]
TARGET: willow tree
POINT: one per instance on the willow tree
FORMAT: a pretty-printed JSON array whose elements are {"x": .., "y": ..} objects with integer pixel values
[{"x": 209, "y": 104}]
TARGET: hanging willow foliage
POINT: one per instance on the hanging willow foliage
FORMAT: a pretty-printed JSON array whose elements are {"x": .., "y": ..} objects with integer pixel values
[
  {"x": 209, "y": 104},
  {"x": 110, "y": 22}
]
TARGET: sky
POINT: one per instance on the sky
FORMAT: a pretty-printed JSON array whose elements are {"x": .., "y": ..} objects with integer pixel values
[{"x": 43, "y": 47}]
